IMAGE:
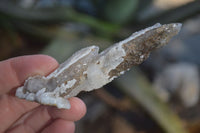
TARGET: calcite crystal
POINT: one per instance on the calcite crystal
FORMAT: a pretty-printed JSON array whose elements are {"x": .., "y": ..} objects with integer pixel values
[{"x": 87, "y": 69}]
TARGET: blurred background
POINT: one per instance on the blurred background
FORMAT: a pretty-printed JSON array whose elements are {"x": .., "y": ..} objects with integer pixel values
[{"x": 159, "y": 96}]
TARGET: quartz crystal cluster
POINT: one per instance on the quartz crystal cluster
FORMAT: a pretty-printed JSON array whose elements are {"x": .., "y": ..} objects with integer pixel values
[{"x": 87, "y": 69}]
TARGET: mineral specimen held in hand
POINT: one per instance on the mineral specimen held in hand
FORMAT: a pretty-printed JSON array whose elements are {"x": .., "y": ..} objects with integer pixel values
[{"x": 87, "y": 70}]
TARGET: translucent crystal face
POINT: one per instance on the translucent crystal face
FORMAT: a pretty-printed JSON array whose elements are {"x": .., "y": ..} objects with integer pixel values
[{"x": 87, "y": 70}]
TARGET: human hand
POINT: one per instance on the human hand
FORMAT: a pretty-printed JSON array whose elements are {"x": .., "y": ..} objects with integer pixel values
[{"x": 21, "y": 116}]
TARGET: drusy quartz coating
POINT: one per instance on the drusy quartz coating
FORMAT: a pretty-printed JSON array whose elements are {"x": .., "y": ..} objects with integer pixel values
[{"x": 87, "y": 69}]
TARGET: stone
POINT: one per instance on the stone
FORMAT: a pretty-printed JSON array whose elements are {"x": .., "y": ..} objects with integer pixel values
[{"x": 87, "y": 69}]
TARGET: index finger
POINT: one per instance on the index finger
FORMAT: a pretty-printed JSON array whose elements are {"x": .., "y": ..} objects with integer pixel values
[{"x": 14, "y": 71}]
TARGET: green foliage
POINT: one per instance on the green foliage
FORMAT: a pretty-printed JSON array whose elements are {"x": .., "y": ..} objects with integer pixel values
[{"x": 120, "y": 11}]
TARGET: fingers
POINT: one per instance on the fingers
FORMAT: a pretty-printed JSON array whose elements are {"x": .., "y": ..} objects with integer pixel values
[
  {"x": 14, "y": 71},
  {"x": 60, "y": 126},
  {"x": 57, "y": 126},
  {"x": 41, "y": 116},
  {"x": 77, "y": 111},
  {"x": 11, "y": 109}
]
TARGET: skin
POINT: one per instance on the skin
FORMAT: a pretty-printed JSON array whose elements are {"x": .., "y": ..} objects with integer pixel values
[{"x": 21, "y": 116}]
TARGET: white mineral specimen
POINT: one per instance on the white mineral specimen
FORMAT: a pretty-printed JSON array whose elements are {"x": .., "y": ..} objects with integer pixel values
[{"x": 87, "y": 70}]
